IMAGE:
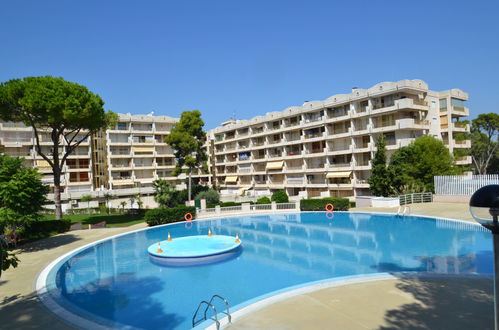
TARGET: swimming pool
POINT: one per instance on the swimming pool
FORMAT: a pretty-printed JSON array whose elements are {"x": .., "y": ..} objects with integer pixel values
[{"x": 116, "y": 284}]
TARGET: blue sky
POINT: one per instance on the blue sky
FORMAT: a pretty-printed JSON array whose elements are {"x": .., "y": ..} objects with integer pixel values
[{"x": 250, "y": 57}]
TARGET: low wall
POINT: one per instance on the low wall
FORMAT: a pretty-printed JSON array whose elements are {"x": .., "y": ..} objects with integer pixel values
[
  {"x": 371, "y": 201},
  {"x": 452, "y": 198}
]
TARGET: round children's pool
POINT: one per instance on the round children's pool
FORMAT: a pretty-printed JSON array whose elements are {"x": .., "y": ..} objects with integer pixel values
[{"x": 114, "y": 282}]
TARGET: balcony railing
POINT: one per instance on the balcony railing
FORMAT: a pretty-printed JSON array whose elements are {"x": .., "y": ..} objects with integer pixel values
[
  {"x": 312, "y": 136},
  {"x": 420, "y": 102},
  {"x": 336, "y": 165},
  {"x": 383, "y": 105}
]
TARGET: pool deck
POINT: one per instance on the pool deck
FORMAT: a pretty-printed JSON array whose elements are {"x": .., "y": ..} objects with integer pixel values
[{"x": 404, "y": 303}]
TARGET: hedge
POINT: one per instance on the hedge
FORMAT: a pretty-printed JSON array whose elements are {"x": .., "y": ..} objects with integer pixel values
[
  {"x": 162, "y": 216},
  {"x": 263, "y": 200},
  {"x": 44, "y": 228},
  {"x": 280, "y": 196},
  {"x": 340, "y": 204}
]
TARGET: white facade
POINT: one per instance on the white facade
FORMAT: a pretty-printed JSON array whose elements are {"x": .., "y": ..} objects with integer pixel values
[{"x": 324, "y": 148}]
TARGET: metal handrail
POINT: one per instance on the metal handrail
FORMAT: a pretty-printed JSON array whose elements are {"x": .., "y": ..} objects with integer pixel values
[
  {"x": 226, "y": 306},
  {"x": 194, "y": 323}
]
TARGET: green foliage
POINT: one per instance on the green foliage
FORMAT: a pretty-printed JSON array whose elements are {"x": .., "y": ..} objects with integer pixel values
[
  {"x": 63, "y": 108},
  {"x": 162, "y": 216},
  {"x": 263, "y": 200},
  {"x": 22, "y": 195},
  {"x": 123, "y": 204},
  {"x": 44, "y": 228},
  {"x": 181, "y": 196},
  {"x": 340, "y": 204},
  {"x": 86, "y": 198},
  {"x": 380, "y": 179},
  {"x": 227, "y": 204},
  {"x": 164, "y": 193},
  {"x": 140, "y": 202},
  {"x": 412, "y": 168},
  {"x": 211, "y": 196},
  {"x": 280, "y": 196},
  {"x": 461, "y": 136},
  {"x": 187, "y": 139},
  {"x": 484, "y": 143}
]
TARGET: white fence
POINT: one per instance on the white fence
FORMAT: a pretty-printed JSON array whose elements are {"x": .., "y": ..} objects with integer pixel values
[
  {"x": 248, "y": 208},
  {"x": 463, "y": 184},
  {"x": 415, "y": 198}
]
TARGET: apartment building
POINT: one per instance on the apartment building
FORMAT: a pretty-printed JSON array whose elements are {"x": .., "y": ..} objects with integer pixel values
[
  {"x": 122, "y": 161},
  {"x": 324, "y": 148},
  {"x": 137, "y": 153},
  {"x": 17, "y": 140}
]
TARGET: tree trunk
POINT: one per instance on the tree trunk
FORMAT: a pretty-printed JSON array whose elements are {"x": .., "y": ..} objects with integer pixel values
[
  {"x": 57, "y": 193},
  {"x": 190, "y": 173}
]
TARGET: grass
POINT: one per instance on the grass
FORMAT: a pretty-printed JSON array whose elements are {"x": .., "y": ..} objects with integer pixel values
[{"x": 112, "y": 220}]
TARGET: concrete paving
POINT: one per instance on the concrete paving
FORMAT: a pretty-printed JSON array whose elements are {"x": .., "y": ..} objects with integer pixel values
[
  {"x": 390, "y": 304},
  {"x": 460, "y": 211}
]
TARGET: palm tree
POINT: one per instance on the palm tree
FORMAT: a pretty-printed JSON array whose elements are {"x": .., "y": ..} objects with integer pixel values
[{"x": 123, "y": 204}]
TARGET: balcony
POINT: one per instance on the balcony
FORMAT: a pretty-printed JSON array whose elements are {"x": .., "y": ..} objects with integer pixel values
[
  {"x": 293, "y": 138},
  {"x": 313, "y": 135},
  {"x": 17, "y": 141},
  {"x": 340, "y": 150},
  {"x": 460, "y": 126},
  {"x": 410, "y": 123},
  {"x": 294, "y": 167},
  {"x": 460, "y": 111},
  {"x": 317, "y": 151},
  {"x": 340, "y": 166},
  {"x": 462, "y": 144},
  {"x": 295, "y": 180},
  {"x": 465, "y": 160}
]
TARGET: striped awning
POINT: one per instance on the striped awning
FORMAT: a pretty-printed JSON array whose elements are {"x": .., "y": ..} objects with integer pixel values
[
  {"x": 275, "y": 165},
  {"x": 122, "y": 182},
  {"x": 231, "y": 179},
  {"x": 43, "y": 164},
  {"x": 143, "y": 149},
  {"x": 345, "y": 174}
]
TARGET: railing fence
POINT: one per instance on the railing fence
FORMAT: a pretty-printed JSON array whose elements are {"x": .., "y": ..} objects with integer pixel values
[
  {"x": 463, "y": 184},
  {"x": 415, "y": 198},
  {"x": 249, "y": 208}
]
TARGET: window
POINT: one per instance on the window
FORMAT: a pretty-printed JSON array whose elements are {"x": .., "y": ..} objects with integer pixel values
[
  {"x": 456, "y": 103},
  {"x": 443, "y": 104},
  {"x": 122, "y": 126}
]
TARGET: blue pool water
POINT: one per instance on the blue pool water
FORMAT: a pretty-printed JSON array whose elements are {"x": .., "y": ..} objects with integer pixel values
[{"x": 117, "y": 284}]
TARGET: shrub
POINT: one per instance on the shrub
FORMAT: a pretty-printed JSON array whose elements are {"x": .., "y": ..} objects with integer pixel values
[
  {"x": 263, "y": 200},
  {"x": 44, "y": 228},
  {"x": 340, "y": 204},
  {"x": 162, "y": 216},
  {"x": 211, "y": 196},
  {"x": 226, "y": 204},
  {"x": 353, "y": 204},
  {"x": 280, "y": 196}
]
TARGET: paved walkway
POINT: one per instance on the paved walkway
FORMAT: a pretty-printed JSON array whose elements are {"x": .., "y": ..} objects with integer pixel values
[
  {"x": 390, "y": 304},
  {"x": 459, "y": 211}
]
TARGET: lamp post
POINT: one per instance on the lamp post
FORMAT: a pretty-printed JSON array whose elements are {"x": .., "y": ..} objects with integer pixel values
[{"x": 484, "y": 207}]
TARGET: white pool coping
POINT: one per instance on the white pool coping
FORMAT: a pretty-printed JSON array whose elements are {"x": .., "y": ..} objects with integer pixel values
[{"x": 241, "y": 309}]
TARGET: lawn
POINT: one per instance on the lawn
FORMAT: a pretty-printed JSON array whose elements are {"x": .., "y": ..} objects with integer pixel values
[{"x": 112, "y": 220}]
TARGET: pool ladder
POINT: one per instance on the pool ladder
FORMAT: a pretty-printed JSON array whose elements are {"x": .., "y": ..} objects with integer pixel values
[
  {"x": 209, "y": 304},
  {"x": 403, "y": 210}
]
